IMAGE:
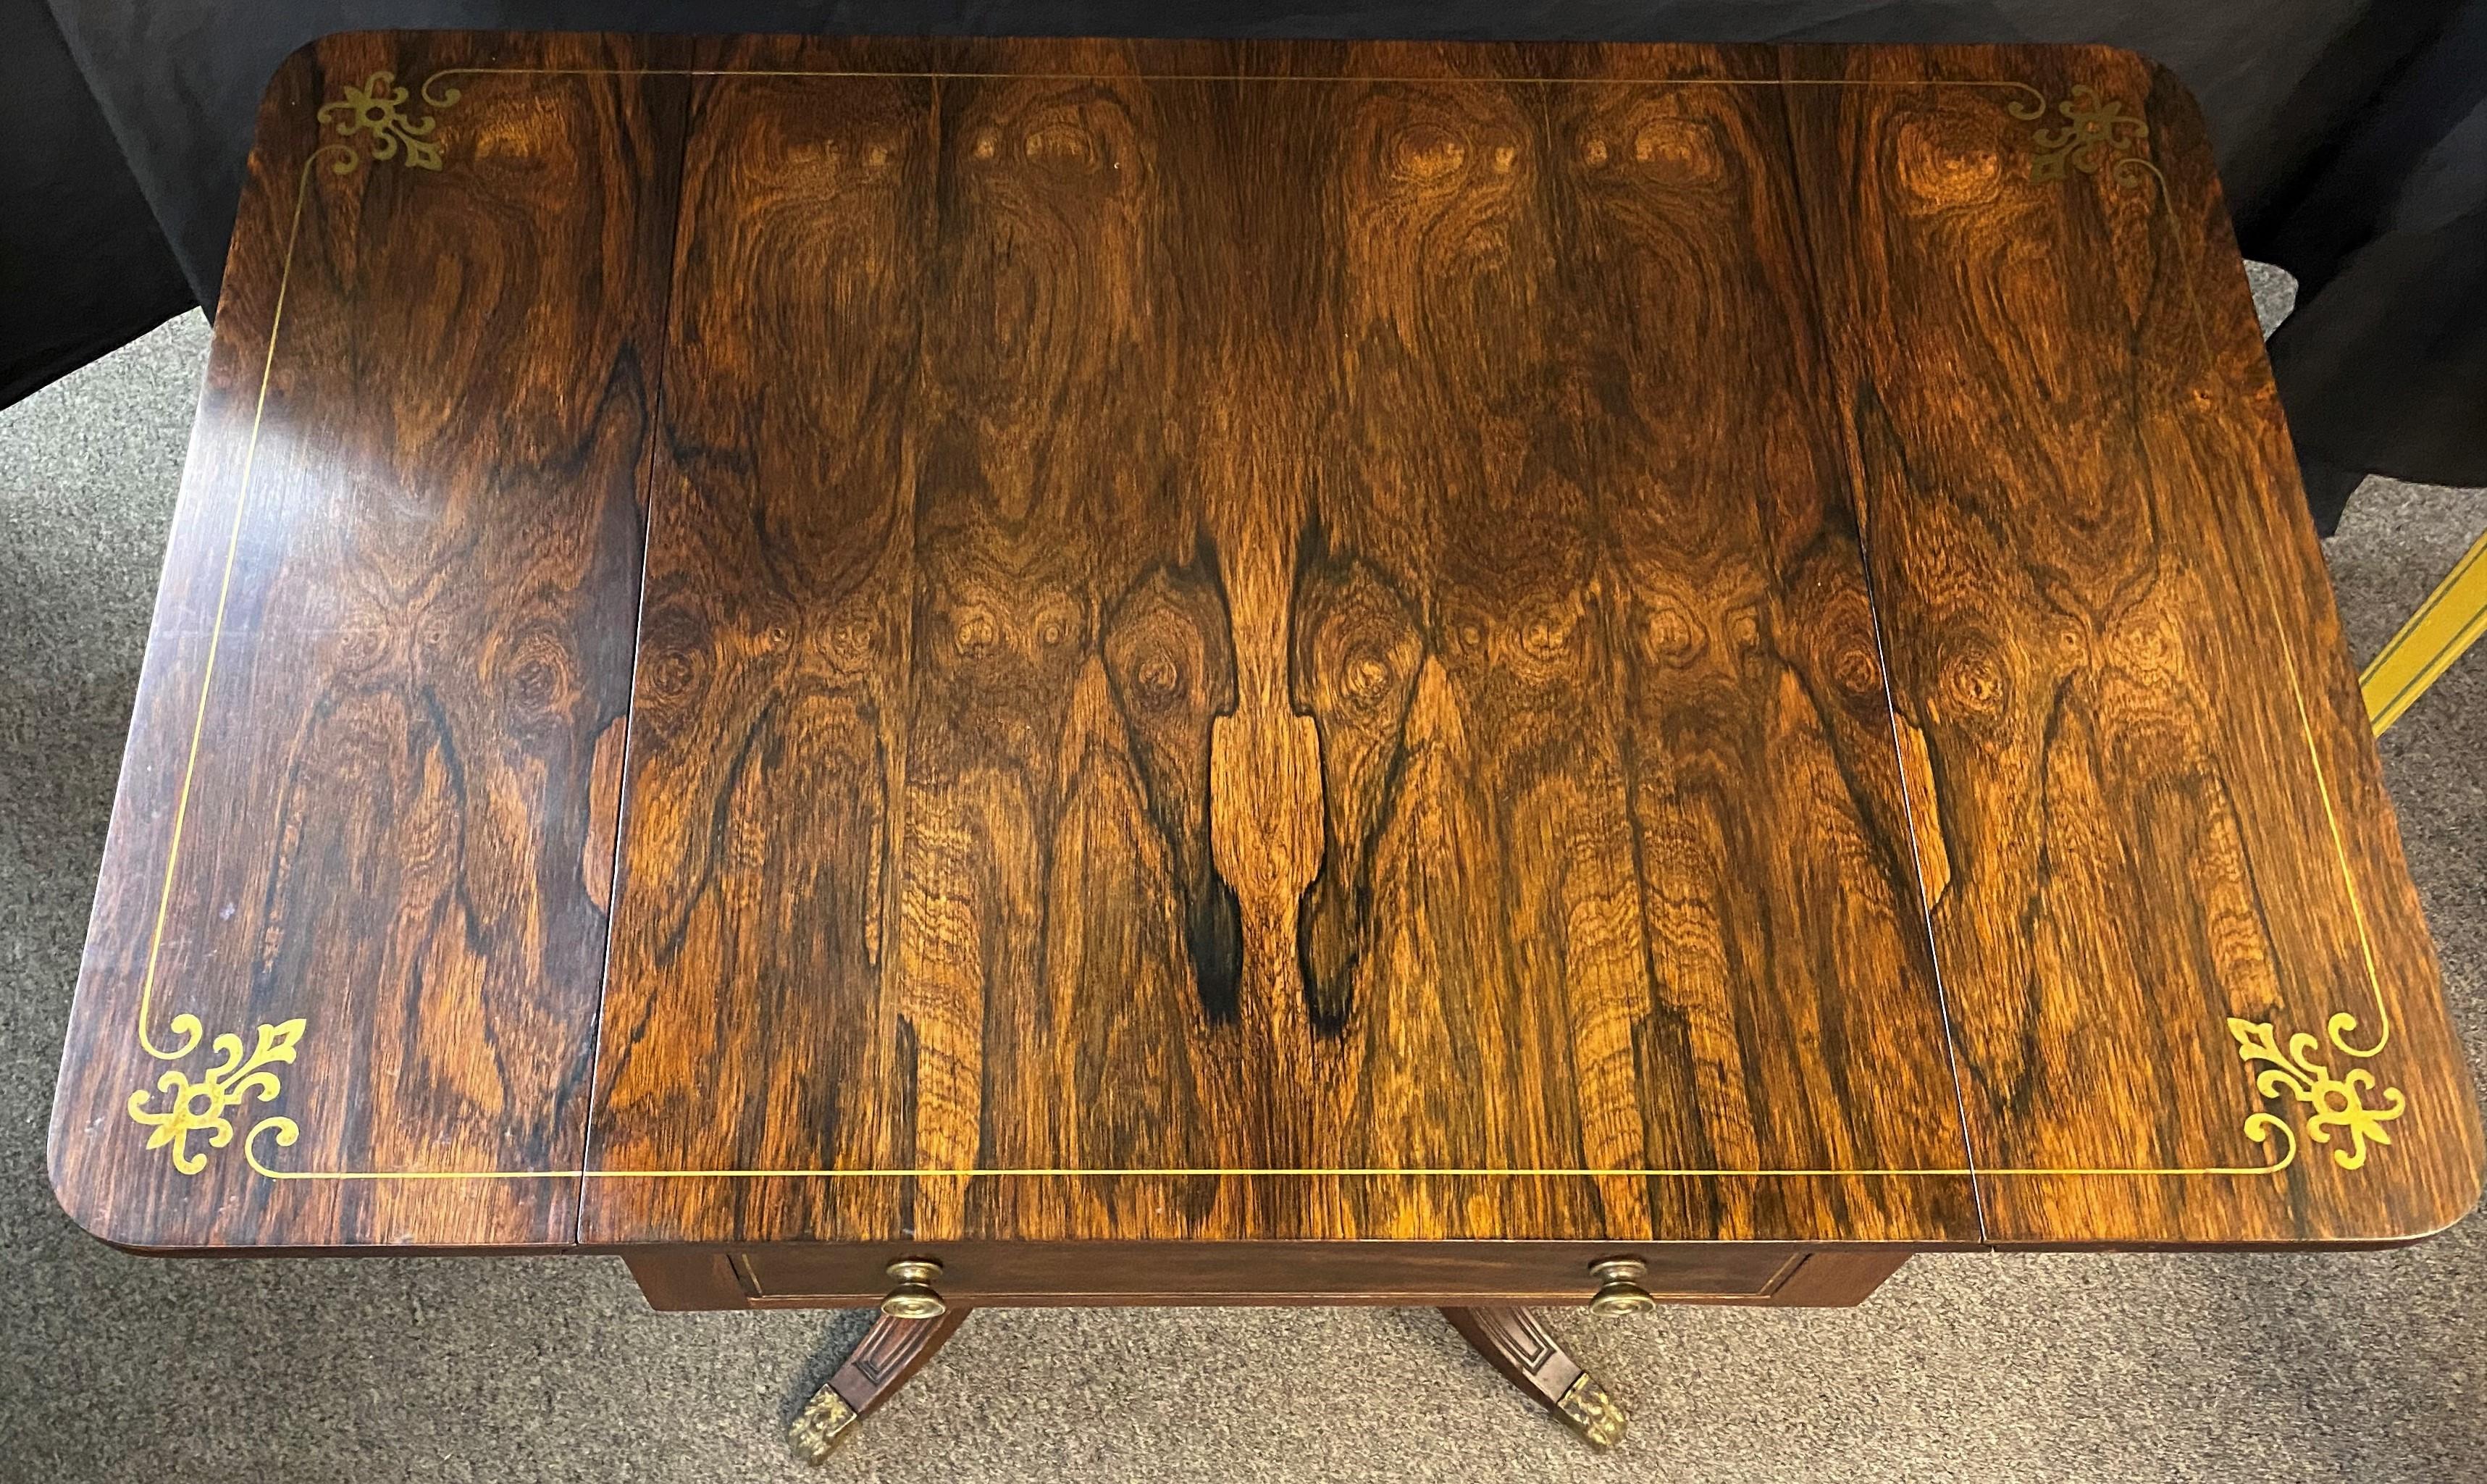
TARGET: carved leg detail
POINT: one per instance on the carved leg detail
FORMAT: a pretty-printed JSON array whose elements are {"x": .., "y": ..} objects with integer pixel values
[
  {"x": 890, "y": 1352},
  {"x": 1519, "y": 1346}
]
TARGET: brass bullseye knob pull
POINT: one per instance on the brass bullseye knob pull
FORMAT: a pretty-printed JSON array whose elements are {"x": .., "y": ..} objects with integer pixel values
[
  {"x": 1619, "y": 1290},
  {"x": 913, "y": 1297}
]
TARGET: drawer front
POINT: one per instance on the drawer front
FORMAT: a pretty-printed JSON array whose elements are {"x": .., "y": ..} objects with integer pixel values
[{"x": 1112, "y": 1272}]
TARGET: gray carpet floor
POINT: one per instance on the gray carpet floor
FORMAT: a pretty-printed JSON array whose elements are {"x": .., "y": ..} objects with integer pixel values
[{"x": 2369, "y": 1366}]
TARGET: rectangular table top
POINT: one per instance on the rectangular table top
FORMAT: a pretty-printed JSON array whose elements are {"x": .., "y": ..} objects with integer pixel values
[{"x": 786, "y": 639}]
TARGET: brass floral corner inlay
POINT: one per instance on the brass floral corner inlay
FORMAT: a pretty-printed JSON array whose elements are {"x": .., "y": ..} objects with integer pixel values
[
  {"x": 200, "y": 1107},
  {"x": 377, "y": 109},
  {"x": 2099, "y": 134},
  {"x": 2337, "y": 1101}
]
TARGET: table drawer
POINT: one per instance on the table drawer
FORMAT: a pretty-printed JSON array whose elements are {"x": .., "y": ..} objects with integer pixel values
[{"x": 1132, "y": 1272}]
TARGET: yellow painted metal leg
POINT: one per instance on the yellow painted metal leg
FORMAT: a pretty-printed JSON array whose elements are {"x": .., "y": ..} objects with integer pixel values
[{"x": 2450, "y": 620}]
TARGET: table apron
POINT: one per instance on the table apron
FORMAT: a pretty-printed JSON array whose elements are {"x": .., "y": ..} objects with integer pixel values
[{"x": 1044, "y": 1275}]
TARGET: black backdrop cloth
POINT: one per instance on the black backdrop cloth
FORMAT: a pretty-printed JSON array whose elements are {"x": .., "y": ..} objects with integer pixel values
[{"x": 2352, "y": 138}]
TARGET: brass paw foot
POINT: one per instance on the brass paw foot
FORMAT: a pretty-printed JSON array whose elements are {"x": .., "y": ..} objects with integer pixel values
[
  {"x": 894, "y": 1349},
  {"x": 822, "y": 1424},
  {"x": 1514, "y": 1343},
  {"x": 1589, "y": 1410}
]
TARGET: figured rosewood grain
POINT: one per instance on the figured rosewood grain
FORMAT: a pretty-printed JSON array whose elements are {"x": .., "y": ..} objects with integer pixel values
[
  {"x": 2138, "y": 736},
  {"x": 404, "y": 574},
  {"x": 1223, "y": 620},
  {"x": 1752, "y": 740},
  {"x": 1441, "y": 540},
  {"x": 745, "y": 1018}
]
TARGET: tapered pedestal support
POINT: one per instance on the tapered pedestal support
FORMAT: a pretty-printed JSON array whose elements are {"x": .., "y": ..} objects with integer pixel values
[
  {"x": 890, "y": 1352},
  {"x": 1519, "y": 1347}
]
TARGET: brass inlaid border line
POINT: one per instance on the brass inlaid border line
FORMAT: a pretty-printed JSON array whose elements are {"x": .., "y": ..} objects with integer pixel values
[
  {"x": 2258, "y": 1127},
  {"x": 450, "y": 96},
  {"x": 187, "y": 1025},
  {"x": 2098, "y": 137},
  {"x": 2340, "y": 1025}
]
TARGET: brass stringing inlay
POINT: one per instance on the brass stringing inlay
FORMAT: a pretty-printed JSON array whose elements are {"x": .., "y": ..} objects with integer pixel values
[
  {"x": 2098, "y": 137},
  {"x": 377, "y": 109},
  {"x": 2100, "y": 134}
]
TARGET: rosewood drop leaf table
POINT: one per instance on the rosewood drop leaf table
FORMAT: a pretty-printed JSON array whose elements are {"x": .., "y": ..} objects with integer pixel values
[{"x": 958, "y": 673}]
